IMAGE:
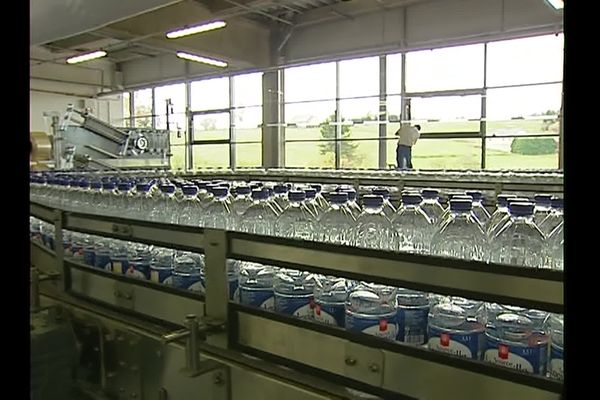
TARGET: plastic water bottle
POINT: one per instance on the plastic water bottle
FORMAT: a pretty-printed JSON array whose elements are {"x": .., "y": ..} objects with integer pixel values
[
  {"x": 411, "y": 226},
  {"x": 456, "y": 326},
  {"x": 293, "y": 291},
  {"x": 482, "y": 214},
  {"x": 330, "y": 296},
  {"x": 373, "y": 229},
  {"x": 190, "y": 210},
  {"x": 519, "y": 242},
  {"x": 256, "y": 285},
  {"x": 388, "y": 209},
  {"x": 554, "y": 218},
  {"x": 217, "y": 214},
  {"x": 312, "y": 204},
  {"x": 555, "y": 247},
  {"x": 79, "y": 196},
  {"x": 337, "y": 224},
  {"x": 281, "y": 197},
  {"x": 513, "y": 342},
  {"x": 260, "y": 217},
  {"x": 556, "y": 331},
  {"x": 140, "y": 259},
  {"x": 143, "y": 202},
  {"x": 461, "y": 235},
  {"x": 94, "y": 197},
  {"x": 500, "y": 213},
  {"x": 321, "y": 201},
  {"x": 121, "y": 253},
  {"x": 102, "y": 252},
  {"x": 371, "y": 309},
  {"x": 296, "y": 221},
  {"x": 35, "y": 233},
  {"x": 203, "y": 194},
  {"x": 431, "y": 204},
  {"x": 124, "y": 199},
  {"x": 165, "y": 207},
  {"x": 161, "y": 267},
  {"x": 506, "y": 216},
  {"x": 187, "y": 273},
  {"x": 242, "y": 201},
  {"x": 543, "y": 207},
  {"x": 352, "y": 204},
  {"x": 413, "y": 311}
]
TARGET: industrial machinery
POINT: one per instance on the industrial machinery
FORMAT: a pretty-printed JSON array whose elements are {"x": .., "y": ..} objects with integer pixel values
[
  {"x": 138, "y": 339},
  {"x": 82, "y": 141}
]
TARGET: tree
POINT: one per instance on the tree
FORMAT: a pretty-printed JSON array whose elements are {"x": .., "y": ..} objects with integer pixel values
[
  {"x": 349, "y": 157},
  {"x": 144, "y": 122},
  {"x": 208, "y": 124}
]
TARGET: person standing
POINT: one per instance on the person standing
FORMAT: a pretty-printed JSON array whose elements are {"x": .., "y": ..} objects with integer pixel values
[{"x": 407, "y": 137}]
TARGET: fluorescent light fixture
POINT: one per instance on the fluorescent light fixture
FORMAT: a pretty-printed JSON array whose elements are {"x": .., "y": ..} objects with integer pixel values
[
  {"x": 86, "y": 57},
  {"x": 204, "y": 60},
  {"x": 556, "y": 4},
  {"x": 211, "y": 26}
]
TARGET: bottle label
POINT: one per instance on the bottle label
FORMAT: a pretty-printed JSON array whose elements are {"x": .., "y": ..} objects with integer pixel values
[
  {"x": 193, "y": 283},
  {"x": 140, "y": 270},
  {"x": 556, "y": 363},
  {"x": 76, "y": 252},
  {"x": 119, "y": 266},
  {"x": 258, "y": 298},
  {"x": 89, "y": 257},
  {"x": 161, "y": 276},
  {"x": 468, "y": 345},
  {"x": 234, "y": 293},
  {"x": 330, "y": 314},
  {"x": 383, "y": 327},
  {"x": 300, "y": 307},
  {"x": 102, "y": 262},
  {"x": 412, "y": 324},
  {"x": 530, "y": 359}
]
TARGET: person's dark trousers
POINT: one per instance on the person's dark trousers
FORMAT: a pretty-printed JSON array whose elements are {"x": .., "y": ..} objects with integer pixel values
[{"x": 404, "y": 157}]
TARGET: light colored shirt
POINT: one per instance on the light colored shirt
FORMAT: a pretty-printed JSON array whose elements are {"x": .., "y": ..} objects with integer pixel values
[{"x": 407, "y": 135}]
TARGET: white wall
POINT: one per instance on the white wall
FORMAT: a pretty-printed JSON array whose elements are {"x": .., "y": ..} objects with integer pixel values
[{"x": 107, "y": 109}]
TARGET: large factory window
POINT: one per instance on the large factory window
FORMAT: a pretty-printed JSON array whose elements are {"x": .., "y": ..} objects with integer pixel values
[
  {"x": 368, "y": 71},
  {"x": 247, "y": 119},
  {"x": 311, "y": 82},
  {"x": 393, "y": 63},
  {"x": 210, "y": 94},
  {"x": 445, "y": 114},
  {"x": 126, "y": 122},
  {"x": 142, "y": 102}
]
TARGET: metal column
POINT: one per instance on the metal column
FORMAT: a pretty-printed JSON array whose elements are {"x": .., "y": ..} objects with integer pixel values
[
  {"x": 382, "y": 112},
  {"x": 338, "y": 118},
  {"x": 232, "y": 159},
  {"x": 273, "y": 131},
  {"x": 482, "y": 121}
]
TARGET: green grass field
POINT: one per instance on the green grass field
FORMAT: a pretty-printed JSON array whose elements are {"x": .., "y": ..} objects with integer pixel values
[{"x": 427, "y": 153}]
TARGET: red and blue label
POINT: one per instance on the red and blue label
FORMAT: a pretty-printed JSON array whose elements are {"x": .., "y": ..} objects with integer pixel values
[
  {"x": 330, "y": 313},
  {"x": 529, "y": 358},
  {"x": 467, "y": 344},
  {"x": 298, "y": 306},
  {"x": 260, "y": 298},
  {"x": 555, "y": 368},
  {"x": 383, "y": 327},
  {"x": 412, "y": 324}
]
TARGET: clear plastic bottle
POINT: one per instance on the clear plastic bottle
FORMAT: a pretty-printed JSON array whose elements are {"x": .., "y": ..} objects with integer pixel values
[
  {"x": 296, "y": 221},
  {"x": 242, "y": 200},
  {"x": 330, "y": 294},
  {"x": 413, "y": 311},
  {"x": 337, "y": 224},
  {"x": 555, "y": 248},
  {"x": 519, "y": 242},
  {"x": 165, "y": 207},
  {"x": 321, "y": 201},
  {"x": 187, "y": 274},
  {"x": 513, "y": 342},
  {"x": 108, "y": 196},
  {"x": 411, "y": 226},
  {"x": 456, "y": 327},
  {"x": 124, "y": 200},
  {"x": 312, "y": 204},
  {"x": 506, "y": 216},
  {"x": 556, "y": 330},
  {"x": 431, "y": 204},
  {"x": 161, "y": 268},
  {"x": 217, "y": 214},
  {"x": 500, "y": 213},
  {"x": 260, "y": 217},
  {"x": 79, "y": 200},
  {"x": 371, "y": 309},
  {"x": 373, "y": 229},
  {"x": 256, "y": 285},
  {"x": 102, "y": 252},
  {"x": 460, "y": 235},
  {"x": 94, "y": 197},
  {"x": 352, "y": 204},
  {"x": 280, "y": 197},
  {"x": 190, "y": 210},
  {"x": 482, "y": 214},
  {"x": 554, "y": 218},
  {"x": 388, "y": 209},
  {"x": 293, "y": 292},
  {"x": 143, "y": 202},
  {"x": 121, "y": 252},
  {"x": 543, "y": 207}
]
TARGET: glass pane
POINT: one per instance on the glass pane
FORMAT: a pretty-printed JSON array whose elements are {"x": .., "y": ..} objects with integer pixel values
[
  {"x": 248, "y": 123},
  {"x": 177, "y": 95},
  {"x": 446, "y": 114},
  {"x": 211, "y": 126},
  {"x": 522, "y": 153},
  {"x": 309, "y": 114},
  {"x": 394, "y": 73},
  {"x": 394, "y": 108},
  {"x": 178, "y": 157},
  {"x": 126, "y": 114},
  {"x": 444, "y": 69},
  {"x": 523, "y": 110},
  {"x": 310, "y": 82},
  {"x": 142, "y": 101},
  {"x": 359, "y": 77},
  {"x": 441, "y": 153},
  {"x": 210, "y": 94},
  {"x": 530, "y": 60},
  {"x": 248, "y": 155},
  {"x": 210, "y": 155},
  {"x": 365, "y": 115},
  {"x": 247, "y": 90},
  {"x": 360, "y": 154},
  {"x": 177, "y": 125},
  {"x": 310, "y": 154}
]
